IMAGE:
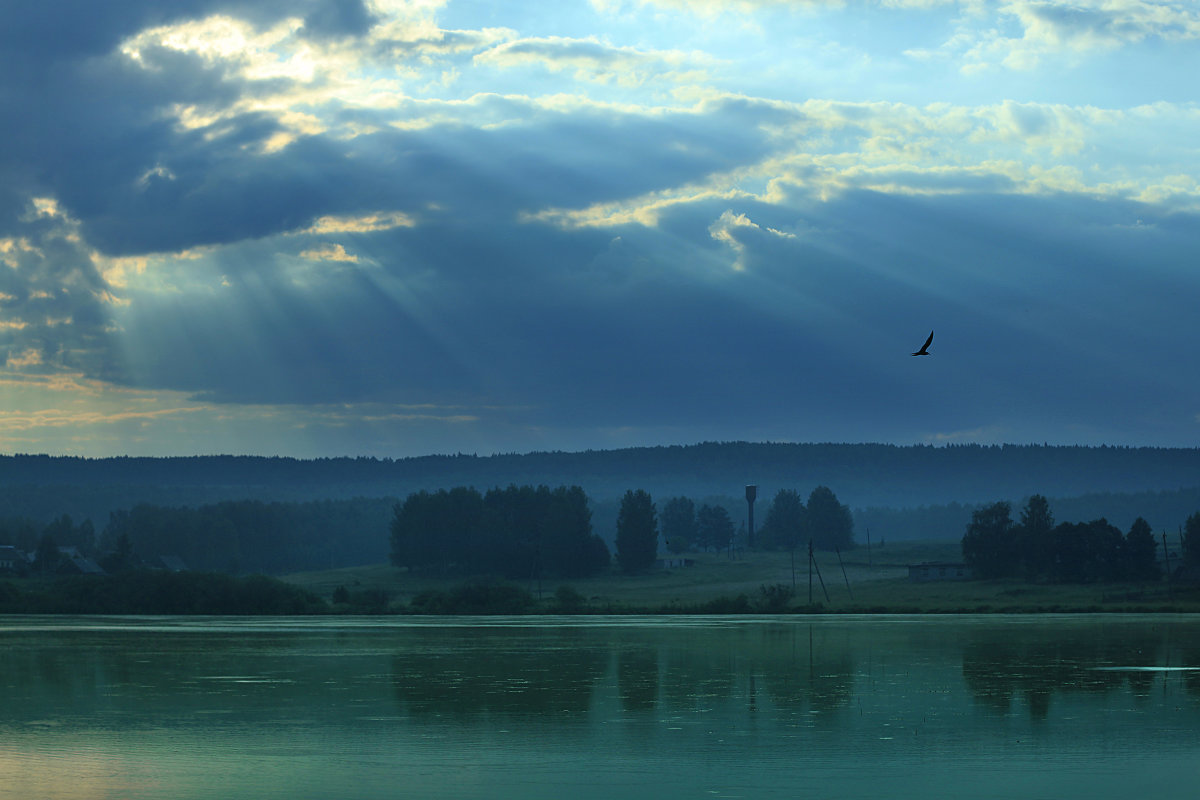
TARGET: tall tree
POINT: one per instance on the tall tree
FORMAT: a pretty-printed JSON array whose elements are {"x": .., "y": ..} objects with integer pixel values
[
  {"x": 715, "y": 526},
  {"x": 1139, "y": 553},
  {"x": 570, "y": 549},
  {"x": 1086, "y": 551},
  {"x": 678, "y": 522},
  {"x": 786, "y": 525},
  {"x": 830, "y": 523},
  {"x": 1035, "y": 536},
  {"x": 47, "y": 557},
  {"x": 1191, "y": 540},
  {"x": 637, "y": 531},
  {"x": 989, "y": 546}
]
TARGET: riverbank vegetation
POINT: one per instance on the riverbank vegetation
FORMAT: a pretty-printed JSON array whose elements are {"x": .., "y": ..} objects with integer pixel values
[
  {"x": 157, "y": 592},
  {"x": 757, "y": 583}
]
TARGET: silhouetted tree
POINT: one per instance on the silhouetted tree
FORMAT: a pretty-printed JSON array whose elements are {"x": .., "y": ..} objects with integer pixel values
[
  {"x": 989, "y": 546},
  {"x": 569, "y": 548},
  {"x": 438, "y": 529},
  {"x": 47, "y": 556},
  {"x": 122, "y": 558},
  {"x": 519, "y": 532},
  {"x": 1191, "y": 540},
  {"x": 1035, "y": 537},
  {"x": 678, "y": 522},
  {"x": 637, "y": 531},
  {"x": 1138, "y": 556},
  {"x": 1087, "y": 551},
  {"x": 786, "y": 524},
  {"x": 830, "y": 523}
]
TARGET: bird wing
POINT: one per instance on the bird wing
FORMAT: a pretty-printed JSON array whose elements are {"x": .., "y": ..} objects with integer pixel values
[{"x": 928, "y": 341}]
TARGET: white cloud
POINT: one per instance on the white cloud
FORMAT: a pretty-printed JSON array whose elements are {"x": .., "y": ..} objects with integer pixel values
[
  {"x": 329, "y": 252},
  {"x": 361, "y": 223},
  {"x": 724, "y": 230},
  {"x": 1076, "y": 29},
  {"x": 591, "y": 59}
]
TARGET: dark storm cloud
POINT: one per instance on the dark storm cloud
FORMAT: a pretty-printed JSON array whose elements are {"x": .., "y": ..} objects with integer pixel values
[
  {"x": 92, "y": 132},
  {"x": 221, "y": 192},
  {"x": 80, "y": 122}
]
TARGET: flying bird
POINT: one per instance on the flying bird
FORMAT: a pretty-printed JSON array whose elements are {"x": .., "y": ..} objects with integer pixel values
[{"x": 924, "y": 351}]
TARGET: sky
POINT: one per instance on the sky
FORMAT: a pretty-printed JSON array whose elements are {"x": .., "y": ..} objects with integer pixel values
[{"x": 399, "y": 227}]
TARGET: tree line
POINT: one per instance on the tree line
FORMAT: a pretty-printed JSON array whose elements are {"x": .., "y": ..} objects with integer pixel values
[
  {"x": 789, "y": 524},
  {"x": 871, "y": 475},
  {"x": 237, "y": 536},
  {"x": 1035, "y": 548},
  {"x": 519, "y": 532}
]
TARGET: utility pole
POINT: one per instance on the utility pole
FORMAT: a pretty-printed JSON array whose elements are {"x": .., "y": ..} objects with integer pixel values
[
  {"x": 810, "y": 563},
  {"x": 1167, "y": 556},
  {"x": 846, "y": 577}
]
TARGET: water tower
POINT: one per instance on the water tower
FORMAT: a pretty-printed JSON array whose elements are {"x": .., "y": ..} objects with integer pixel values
[{"x": 751, "y": 493}]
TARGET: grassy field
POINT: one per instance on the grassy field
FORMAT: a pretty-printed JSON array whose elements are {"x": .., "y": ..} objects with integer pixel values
[{"x": 853, "y": 585}]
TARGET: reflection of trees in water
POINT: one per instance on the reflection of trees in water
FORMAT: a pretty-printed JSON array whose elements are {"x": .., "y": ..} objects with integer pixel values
[
  {"x": 499, "y": 671},
  {"x": 85, "y": 672},
  {"x": 699, "y": 668},
  {"x": 1000, "y": 664},
  {"x": 164, "y": 676},
  {"x": 793, "y": 669},
  {"x": 637, "y": 678},
  {"x": 799, "y": 667}
]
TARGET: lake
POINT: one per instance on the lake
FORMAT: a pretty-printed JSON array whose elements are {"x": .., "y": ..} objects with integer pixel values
[{"x": 601, "y": 707}]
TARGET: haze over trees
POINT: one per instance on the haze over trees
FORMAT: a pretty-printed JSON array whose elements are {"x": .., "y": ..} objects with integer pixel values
[
  {"x": 867, "y": 476},
  {"x": 251, "y": 536},
  {"x": 678, "y": 522},
  {"x": 48, "y": 496},
  {"x": 714, "y": 527}
]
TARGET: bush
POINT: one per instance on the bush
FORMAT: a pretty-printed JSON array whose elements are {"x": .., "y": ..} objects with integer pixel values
[
  {"x": 481, "y": 597},
  {"x": 148, "y": 592},
  {"x": 568, "y": 600},
  {"x": 776, "y": 598}
]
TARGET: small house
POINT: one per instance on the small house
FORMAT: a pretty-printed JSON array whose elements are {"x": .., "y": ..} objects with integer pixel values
[
  {"x": 78, "y": 565},
  {"x": 11, "y": 559},
  {"x": 170, "y": 563},
  {"x": 938, "y": 571}
]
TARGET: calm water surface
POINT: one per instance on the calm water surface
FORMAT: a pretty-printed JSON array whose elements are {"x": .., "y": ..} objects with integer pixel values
[{"x": 579, "y": 708}]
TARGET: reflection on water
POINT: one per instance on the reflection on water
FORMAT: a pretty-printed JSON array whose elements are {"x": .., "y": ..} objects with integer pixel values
[
  {"x": 985, "y": 706},
  {"x": 1000, "y": 669}
]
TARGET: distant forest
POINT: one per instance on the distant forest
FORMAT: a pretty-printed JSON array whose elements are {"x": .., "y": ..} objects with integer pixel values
[{"x": 308, "y": 514}]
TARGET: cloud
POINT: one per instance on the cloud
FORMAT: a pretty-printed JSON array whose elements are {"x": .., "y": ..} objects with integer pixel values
[
  {"x": 361, "y": 223},
  {"x": 593, "y": 60},
  {"x": 329, "y": 252},
  {"x": 1049, "y": 28},
  {"x": 55, "y": 303},
  {"x": 725, "y": 230}
]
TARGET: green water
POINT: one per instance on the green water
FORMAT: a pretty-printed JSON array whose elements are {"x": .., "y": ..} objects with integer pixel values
[{"x": 577, "y": 708}]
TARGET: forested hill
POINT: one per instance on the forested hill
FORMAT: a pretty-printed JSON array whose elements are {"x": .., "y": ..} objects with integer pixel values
[{"x": 862, "y": 475}]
